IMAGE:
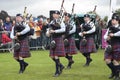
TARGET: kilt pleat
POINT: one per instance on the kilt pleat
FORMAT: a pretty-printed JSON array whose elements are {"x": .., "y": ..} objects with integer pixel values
[
  {"x": 24, "y": 49},
  {"x": 115, "y": 54},
  {"x": 71, "y": 49},
  {"x": 59, "y": 50},
  {"x": 89, "y": 47}
]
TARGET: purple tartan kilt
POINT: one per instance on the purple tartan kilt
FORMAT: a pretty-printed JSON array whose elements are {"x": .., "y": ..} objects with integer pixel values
[
  {"x": 115, "y": 54},
  {"x": 24, "y": 49},
  {"x": 89, "y": 47},
  {"x": 71, "y": 49},
  {"x": 59, "y": 50}
]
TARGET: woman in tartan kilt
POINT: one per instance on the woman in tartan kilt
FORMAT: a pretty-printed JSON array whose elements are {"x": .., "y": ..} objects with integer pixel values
[
  {"x": 70, "y": 47},
  {"x": 112, "y": 36},
  {"x": 87, "y": 45},
  {"x": 56, "y": 30},
  {"x": 19, "y": 33}
]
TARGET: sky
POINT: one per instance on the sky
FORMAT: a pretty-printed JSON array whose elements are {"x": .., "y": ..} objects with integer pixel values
[{"x": 42, "y": 7}]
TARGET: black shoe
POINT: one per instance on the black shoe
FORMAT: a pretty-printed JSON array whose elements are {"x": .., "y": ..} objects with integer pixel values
[
  {"x": 20, "y": 71},
  {"x": 70, "y": 64},
  {"x": 87, "y": 63},
  {"x": 61, "y": 68},
  {"x": 25, "y": 65},
  {"x": 117, "y": 78},
  {"x": 111, "y": 76},
  {"x": 56, "y": 74}
]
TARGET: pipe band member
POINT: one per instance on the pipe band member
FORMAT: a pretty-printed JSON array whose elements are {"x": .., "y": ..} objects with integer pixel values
[
  {"x": 113, "y": 36},
  {"x": 70, "y": 47},
  {"x": 56, "y": 30},
  {"x": 87, "y": 45},
  {"x": 19, "y": 33}
]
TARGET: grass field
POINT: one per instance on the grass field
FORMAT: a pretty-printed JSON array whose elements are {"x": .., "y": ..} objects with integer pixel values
[{"x": 41, "y": 67}]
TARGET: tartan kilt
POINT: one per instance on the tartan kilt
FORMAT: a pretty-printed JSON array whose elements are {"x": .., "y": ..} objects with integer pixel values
[
  {"x": 89, "y": 47},
  {"x": 71, "y": 49},
  {"x": 115, "y": 54},
  {"x": 24, "y": 49},
  {"x": 59, "y": 50}
]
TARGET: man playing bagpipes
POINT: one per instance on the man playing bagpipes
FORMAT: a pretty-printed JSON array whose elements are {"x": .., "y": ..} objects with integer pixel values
[
  {"x": 56, "y": 30},
  {"x": 112, "y": 52},
  {"x": 69, "y": 41},
  {"x": 19, "y": 34},
  {"x": 87, "y": 45}
]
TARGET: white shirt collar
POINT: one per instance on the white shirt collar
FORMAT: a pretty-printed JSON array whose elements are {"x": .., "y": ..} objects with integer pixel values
[
  {"x": 87, "y": 22},
  {"x": 116, "y": 25}
]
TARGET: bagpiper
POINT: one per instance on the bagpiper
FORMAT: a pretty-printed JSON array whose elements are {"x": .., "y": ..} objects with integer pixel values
[
  {"x": 112, "y": 51},
  {"x": 19, "y": 34},
  {"x": 87, "y": 45},
  {"x": 69, "y": 41},
  {"x": 55, "y": 31}
]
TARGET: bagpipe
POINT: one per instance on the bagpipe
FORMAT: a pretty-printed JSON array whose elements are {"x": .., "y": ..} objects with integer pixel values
[
  {"x": 84, "y": 40},
  {"x": 84, "y": 28},
  {"x": 15, "y": 47},
  {"x": 20, "y": 26},
  {"x": 61, "y": 12},
  {"x": 71, "y": 23},
  {"x": 55, "y": 24},
  {"x": 109, "y": 48},
  {"x": 26, "y": 20},
  {"x": 69, "y": 27}
]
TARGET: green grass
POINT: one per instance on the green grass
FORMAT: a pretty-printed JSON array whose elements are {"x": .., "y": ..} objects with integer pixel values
[{"x": 41, "y": 67}]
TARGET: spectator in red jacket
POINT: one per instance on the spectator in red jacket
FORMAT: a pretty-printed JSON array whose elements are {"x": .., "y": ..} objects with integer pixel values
[{"x": 6, "y": 41}]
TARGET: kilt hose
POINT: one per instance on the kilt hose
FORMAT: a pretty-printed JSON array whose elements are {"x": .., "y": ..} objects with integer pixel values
[
  {"x": 115, "y": 54},
  {"x": 71, "y": 49},
  {"x": 24, "y": 49},
  {"x": 89, "y": 47},
  {"x": 59, "y": 49}
]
